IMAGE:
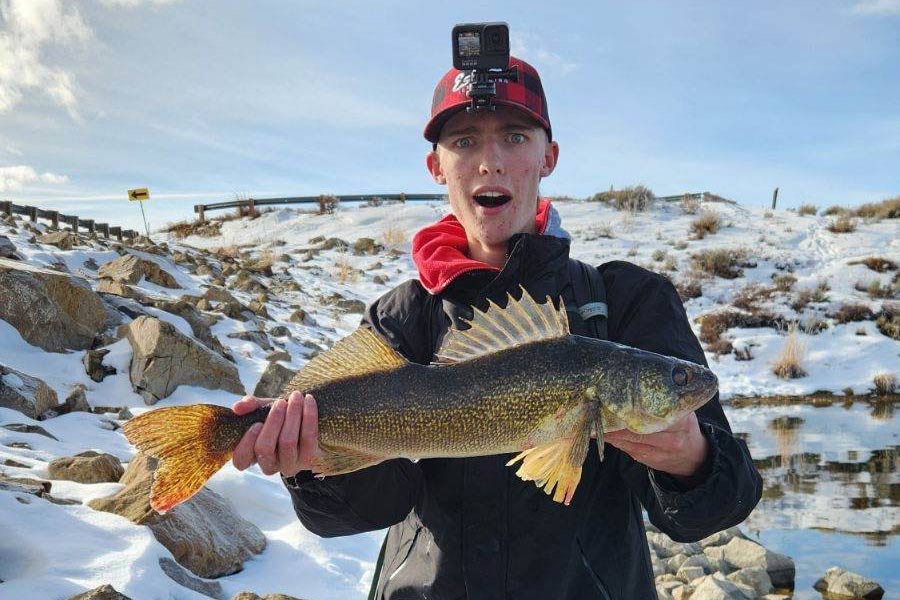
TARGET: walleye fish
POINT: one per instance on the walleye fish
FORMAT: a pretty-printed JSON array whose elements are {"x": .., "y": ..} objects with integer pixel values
[{"x": 515, "y": 381}]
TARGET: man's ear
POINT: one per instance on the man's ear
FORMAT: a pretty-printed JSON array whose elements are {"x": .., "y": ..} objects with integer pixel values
[
  {"x": 433, "y": 164},
  {"x": 551, "y": 156}
]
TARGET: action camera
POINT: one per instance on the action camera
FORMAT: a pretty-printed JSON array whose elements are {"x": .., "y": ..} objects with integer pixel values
[{"x": 481, "y": 46}]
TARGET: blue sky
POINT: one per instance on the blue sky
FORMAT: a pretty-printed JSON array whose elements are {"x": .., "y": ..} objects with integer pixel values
[{"x": 204, "y": 99}]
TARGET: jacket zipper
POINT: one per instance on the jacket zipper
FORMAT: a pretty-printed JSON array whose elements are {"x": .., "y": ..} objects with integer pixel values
[{"x": 594, "y": 577}]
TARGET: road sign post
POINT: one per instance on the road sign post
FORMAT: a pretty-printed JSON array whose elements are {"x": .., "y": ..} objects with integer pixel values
[{"x": 139, "y": 195}]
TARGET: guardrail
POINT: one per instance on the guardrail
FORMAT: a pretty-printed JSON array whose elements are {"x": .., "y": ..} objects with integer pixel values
[
  {"x": 252, "y": 203},
  {"x": 55, "y": 218}
]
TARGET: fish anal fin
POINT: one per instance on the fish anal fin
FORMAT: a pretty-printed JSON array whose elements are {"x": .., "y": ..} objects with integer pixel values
[
  {"x": 333, "y": 460},
  {"x": 521, "y": 322},
  {"x": 360, "y": 353},
  {"x": 556, "y": 466}
]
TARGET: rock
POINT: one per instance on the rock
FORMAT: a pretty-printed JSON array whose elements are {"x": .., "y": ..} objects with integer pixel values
[
  {"x": 365, "y": 245},
  {"x": 300, "y": 316},
  {"x": 721, "y": 538},
  {"x": 76, "y": 401},
  {"x": 7, "y": 248},
  {"x": 94, "y": 367},
  {"x": 754, "y": 577},
  {"x": 716, "y": 557},
  {"x": 378, "y": 279},
  {"x": 64, "y": 240},
  {"x": 104, "y": 592},
  {"x": 178, "y": 574},
  {"x": 87, "y": 467},
  {"x": 273, "y": 380},
  {"x": 49, "y": 309},
  {"x": 130, "y": 269},
  {"x": 246, "y": 282},
  {"x": 24, "y": 393},
  {"x": 674, "y": 563},
  {"x": 163, "y": 358},
  {"x": 682, "y": 593},
  {"x": 24, "y": 485},
  {"x": 839, "y": 584},
  {"x": 716, "y": 587},
  {"x": 200, "y": 323},
  {"x": 204, "y": 269},
  {"x": 91, "y": 264},
  {"x": 117, "y": 288},
  {"x": 280, "y": 331},
  {"x": 252, "y": 596},
  {"x": 741, "y": 553},
  {"x": 279, "y": 355},
  {"x": 204, "y": 534},
  {"x": 662, "y": 593},
  {"x": 259, "y": 308},
  {"x": 257, "y": 337},
  {"x": 24, "y": 428},
  {"x": 335, "y": 243},
  {"x": 316, "y": 240},
  {"x": 689, "y": 574}
]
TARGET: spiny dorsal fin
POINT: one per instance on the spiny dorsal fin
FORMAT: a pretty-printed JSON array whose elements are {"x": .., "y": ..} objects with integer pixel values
[
  {"x": 521, "y": 322},
  {"x": 360, "y": 353}
]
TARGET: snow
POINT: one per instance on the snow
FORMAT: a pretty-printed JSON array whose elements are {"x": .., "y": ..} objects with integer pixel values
[{"x": 49, "y": 550}]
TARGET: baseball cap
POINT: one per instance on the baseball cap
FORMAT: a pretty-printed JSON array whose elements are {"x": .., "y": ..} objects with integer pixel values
[{"x": 526, "y": 95}]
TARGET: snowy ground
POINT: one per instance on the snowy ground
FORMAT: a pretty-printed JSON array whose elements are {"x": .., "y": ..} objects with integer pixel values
[{"x": 52, "y": 551}]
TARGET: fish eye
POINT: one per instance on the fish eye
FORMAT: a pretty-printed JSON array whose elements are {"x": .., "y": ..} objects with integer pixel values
[{"x": 681, "y": 376}]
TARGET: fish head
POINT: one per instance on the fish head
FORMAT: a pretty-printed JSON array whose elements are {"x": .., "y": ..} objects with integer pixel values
[{"x": 649, "y": 392}]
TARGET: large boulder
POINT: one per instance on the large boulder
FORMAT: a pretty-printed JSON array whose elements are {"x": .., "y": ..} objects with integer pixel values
[
  {"x": 204, "y": 534},
  {"x": 742, "y": 553},
  {"x": 716, "y": 587},
  {"x": 7, "y": 248},
  {"x": 53, "y": 310},
  {"x": 86, "y": 467},
  {"x": 129, "y": 269},
  {"x": 838, "y": 584},
  {"x": 104, "y": 592},
  {"x": 24, "y": 393},
  {"x": 164, "y": 358},
  {"x": 64, "y": 240},
  {"x": 273, "y": 380}
]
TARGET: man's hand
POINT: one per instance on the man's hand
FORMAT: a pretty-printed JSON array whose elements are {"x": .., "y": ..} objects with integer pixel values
[
  {"x": 286, "y": 442},
  {"x": 679, "y": 450}
]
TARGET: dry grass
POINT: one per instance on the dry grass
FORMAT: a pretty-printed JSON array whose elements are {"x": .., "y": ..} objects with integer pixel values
[
  {"x": 789, "y": 364},
  {"x": 877, "y": 264},
  {"x": 706, "y": 223},
  {"x": 843, "y": 224},
  {"x": 343, "y": 270},
  {"x": 813, "y": 325},
  {"x": 836, "y": 210},
  {"x": 633, "y": 198},
  {"x": 714, "y": 324},
  {"x": 888, "y": 321},
  {"x": 876, "y": 290},
  {"x": 783, "y": 282},
  {"x": 852, "y": 313},
  {"x": 328, "y": 204},
  {"x": 393, "y": 236},
  {"x": 807, "y": 295},
  {"x": 670, "y": 264},
  {"x": 885, "y": 383},
  {"x": 886, "y": 209},
  {"x": 807, "y": 209},
  {"x": 690, "y": 205},
  {"x": 688, "y": 288},
  {"x": 659, "y": 254},
  {"x": 720, "y": 262},
  {"x": 749, "y": 296}
]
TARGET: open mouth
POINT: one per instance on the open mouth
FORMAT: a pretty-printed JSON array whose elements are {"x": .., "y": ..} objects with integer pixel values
[{"x": 491, "y": 199}]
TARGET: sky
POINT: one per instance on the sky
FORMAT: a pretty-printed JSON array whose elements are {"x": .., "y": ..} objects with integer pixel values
[{"x": 208, "y": 100}]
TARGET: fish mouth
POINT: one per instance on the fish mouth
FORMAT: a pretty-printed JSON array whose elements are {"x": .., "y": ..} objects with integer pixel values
[{"x": 491, "y": 197}]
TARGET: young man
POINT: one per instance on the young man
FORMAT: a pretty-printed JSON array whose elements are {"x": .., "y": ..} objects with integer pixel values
[{"x": 469, "y": 528}]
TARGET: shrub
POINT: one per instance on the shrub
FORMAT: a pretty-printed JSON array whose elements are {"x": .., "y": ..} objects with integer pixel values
[
  {"x": 807, "y": 295},
  {"x": 671, "y": 264},
  {"x": 748, "y": 296},
  {"x": 813, "y": 325},
  {"x": 885, "y": 383},
  {"x": 688, "y": 288},
  {"x": 393, "y": 236},
  {"x": 344, "y": 271},
  {"x": 714, "y": 324},
  {"x": 680, "y": 245},
  {"x": 807, "y": 209},
  {"x": 328, "y": 204},
  {"x": 789, "y": 364},
  {"x": 743, "y": 353},
  {"x": 707, "y": 222},
  {"x": 888, "y": 321},
  {"x": 634, "y": 199},
  {"x": 851, "y": 313},
  {"x": 690, "y": 205},
  {"x": 842, "y": 224},
  {"x": 720, "y": 262},
  {"x": 877, "y": 264},
  {"x": 783, "y": 282},
  {"x": 659, "y": 254},
  {"x": 604, "y": 230},
  {"x": 886, "y": 209},
  {"x": 875, "y": 290},
  {"x": 835, "y": 210}
]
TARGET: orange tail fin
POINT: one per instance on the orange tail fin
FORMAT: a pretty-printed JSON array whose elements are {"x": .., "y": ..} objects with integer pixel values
[{"x": 191, "y": 443}]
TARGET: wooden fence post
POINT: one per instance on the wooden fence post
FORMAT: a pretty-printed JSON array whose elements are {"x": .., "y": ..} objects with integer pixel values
[
  {"x": 32, "y": 213},
  {"x": 74, "y": 223},
  {"x": 116, "y": 231},
  {"x": 201, "y": 210},
  {"x": 104, "y": 229},
  {"x": 251, "y": 211},
  {"x": 774, "y": 198},
  {"x": 54, "y": 219},
  {"x": 6, "y": 207}
]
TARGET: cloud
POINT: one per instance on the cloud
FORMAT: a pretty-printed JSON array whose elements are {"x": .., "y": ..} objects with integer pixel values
[
  {"x": 17, "y": 177},
  {"x": 28, "y": 27},
  {"x": 877, "y": 7},
  {"x": 530, "y": 48}
]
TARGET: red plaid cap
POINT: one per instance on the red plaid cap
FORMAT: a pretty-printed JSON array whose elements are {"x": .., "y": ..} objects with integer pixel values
[{"x": 526, "y": 94}]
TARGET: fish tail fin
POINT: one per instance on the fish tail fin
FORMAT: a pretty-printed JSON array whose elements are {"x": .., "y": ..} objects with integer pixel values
[{"x": 191, "y": 444}]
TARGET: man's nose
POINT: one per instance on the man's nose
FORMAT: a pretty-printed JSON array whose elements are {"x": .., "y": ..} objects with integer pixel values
[{"x": 491, "y": 159}]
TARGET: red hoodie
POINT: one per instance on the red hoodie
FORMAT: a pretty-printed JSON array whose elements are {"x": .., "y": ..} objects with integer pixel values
[{"x": 440, "y": 250}]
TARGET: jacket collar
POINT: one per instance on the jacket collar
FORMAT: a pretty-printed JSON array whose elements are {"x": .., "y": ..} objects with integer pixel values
[{"x": 440, "y": 249}]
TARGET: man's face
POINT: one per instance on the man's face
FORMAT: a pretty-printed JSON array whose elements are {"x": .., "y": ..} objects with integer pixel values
[{"x": 491, "y": 163}]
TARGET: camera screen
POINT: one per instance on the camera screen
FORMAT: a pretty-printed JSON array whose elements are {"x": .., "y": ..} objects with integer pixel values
[{"x": 469, "y": 43}]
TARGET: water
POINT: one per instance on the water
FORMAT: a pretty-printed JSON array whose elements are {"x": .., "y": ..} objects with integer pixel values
[{"x": 831, "y": 487}]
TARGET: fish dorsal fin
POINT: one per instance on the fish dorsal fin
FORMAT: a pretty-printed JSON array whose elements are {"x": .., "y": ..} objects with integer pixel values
[
  {"x": 522, "y": 321},
  {"x": 360, "y": 353}
]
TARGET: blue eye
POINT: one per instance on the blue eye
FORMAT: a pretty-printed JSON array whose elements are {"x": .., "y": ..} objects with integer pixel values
[
  {"x": 517, "y": 138},
  {"x": 463, "y": 142}
]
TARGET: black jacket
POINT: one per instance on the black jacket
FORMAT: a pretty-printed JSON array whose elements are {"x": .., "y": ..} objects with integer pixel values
[{"x": 469, "y": 528}]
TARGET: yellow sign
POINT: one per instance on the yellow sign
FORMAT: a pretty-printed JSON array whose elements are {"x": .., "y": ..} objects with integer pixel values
[{"x": 139, "y": 194}]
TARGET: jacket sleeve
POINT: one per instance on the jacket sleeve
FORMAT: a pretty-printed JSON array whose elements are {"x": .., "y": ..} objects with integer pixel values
[
  {"x": 381, "y": 495},
  {"x": 645, "y": 312}
]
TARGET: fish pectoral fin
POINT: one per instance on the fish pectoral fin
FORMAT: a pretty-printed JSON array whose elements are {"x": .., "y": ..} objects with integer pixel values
[
  {"x": 334, "y": 460},
  {"x": 556, "y": 465}
]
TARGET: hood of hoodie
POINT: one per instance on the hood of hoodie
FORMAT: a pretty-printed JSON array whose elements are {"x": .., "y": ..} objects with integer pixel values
[{"x": 440, "y": 249}]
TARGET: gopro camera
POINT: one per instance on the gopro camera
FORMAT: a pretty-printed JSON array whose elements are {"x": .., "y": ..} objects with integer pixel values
[
  {"x": 480, "y": 46},
  {"x": 482, "y": 50}
]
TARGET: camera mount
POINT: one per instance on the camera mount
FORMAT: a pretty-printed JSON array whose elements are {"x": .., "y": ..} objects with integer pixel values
[{"x": 482, "y": 51}]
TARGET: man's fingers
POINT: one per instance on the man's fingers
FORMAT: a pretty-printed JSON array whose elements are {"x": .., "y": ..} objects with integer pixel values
[
  {"x": 309, "y": 433},
  {"x": 289, "y": 439},
  {"x": 244, "y": 453},
  {"x": 267, "y": 442},
  {"x": 248, "y": 404}
]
